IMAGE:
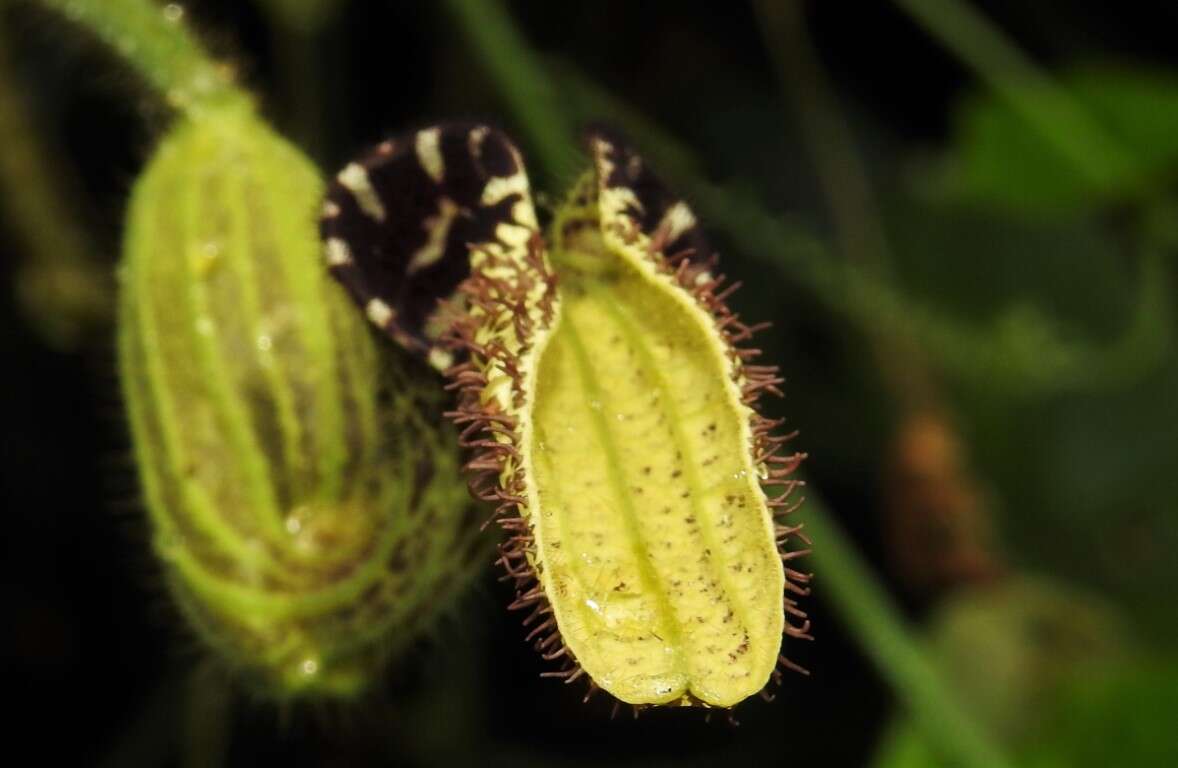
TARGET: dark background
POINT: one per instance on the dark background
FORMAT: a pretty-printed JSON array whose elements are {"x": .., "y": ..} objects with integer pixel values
[{"x": 96, "y": 659}]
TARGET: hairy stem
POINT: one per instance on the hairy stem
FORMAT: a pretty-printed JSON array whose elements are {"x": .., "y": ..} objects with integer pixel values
[{"x": 154, "y": 42}]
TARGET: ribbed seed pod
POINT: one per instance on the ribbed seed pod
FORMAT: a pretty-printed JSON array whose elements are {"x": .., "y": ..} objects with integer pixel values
[{"x": 301, "y": 491}]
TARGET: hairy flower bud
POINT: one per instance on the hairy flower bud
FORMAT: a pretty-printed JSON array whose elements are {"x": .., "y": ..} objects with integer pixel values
[{"x": 300, "y": 487}]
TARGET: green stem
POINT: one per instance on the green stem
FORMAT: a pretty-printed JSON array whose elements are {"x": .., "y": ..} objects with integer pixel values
[
  {"x": 1029, "y": 90},
  {"x": 868, "y": 611},
  {"x": 62, "y": 285},
  {"x": 152, "y": 39},
  {"x": 519, "y": 73}
]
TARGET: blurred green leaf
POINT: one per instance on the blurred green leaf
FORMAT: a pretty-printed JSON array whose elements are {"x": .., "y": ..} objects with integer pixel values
[
  {"x": 1124, "y": 718},
  {"x": 998, "y": 159},
  {"x": 1007, "y": 646},
  {"x": 1120, "y": 716},
  {"x": 1050, "y": 670}
]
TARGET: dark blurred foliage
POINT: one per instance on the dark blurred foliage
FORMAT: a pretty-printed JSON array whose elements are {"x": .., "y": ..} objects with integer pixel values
[{"x": 1075, "y": 486}]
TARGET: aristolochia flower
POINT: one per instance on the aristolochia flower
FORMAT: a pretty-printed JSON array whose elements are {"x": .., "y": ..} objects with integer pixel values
[{"x": 605, "y": 397}]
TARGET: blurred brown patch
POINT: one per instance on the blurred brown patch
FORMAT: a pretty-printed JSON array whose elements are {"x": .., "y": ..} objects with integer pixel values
[{"x": 936, "y": 524}]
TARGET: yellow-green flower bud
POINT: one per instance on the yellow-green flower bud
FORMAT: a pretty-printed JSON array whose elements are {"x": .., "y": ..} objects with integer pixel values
[{"x": 302, "y": 494}]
